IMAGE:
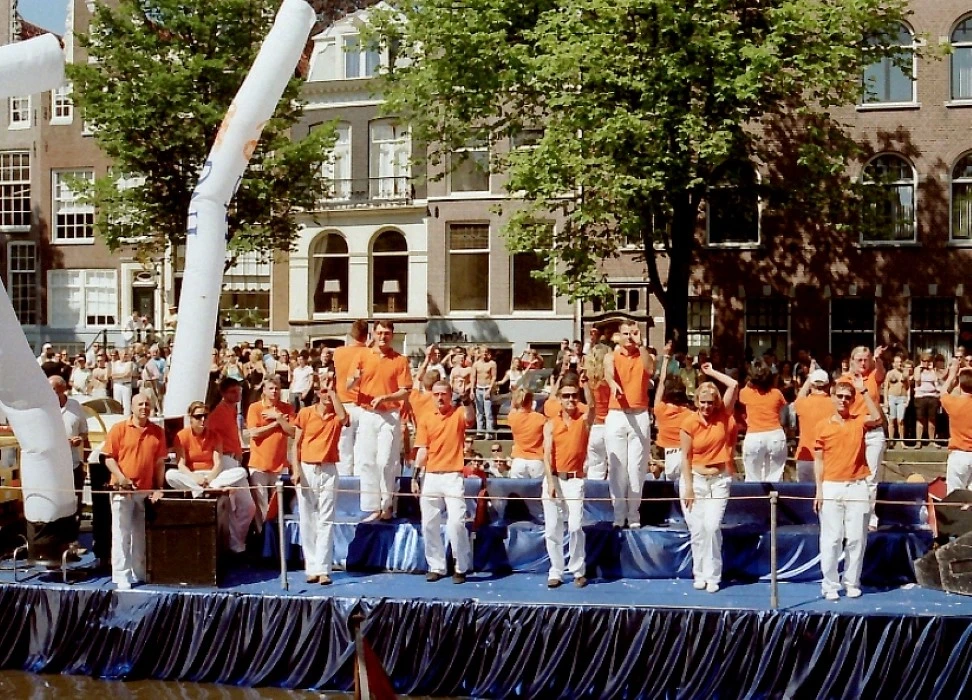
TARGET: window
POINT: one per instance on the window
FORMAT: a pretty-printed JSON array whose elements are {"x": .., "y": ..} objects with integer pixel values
[
  {"x": 337, "y": 170},
  {"x": 851, "y": 324},
  {"x": 470, "y": 167},
  {"x": 15, "y": 191},
  {"x": 699, "y": 336},
  {"x": 83, "y": 298},
  {"x": 389, "y": 273},
  {"x": 768, "y": 326},
  {"x": 22, "y": 277},
  {"x": 245, "y": 298},
  {"x": 733, "y": 207},
  {"x": 244, "y": 309},
  {"x": 361, "y": 60},
  {"x": 889, "y": 200},
  {"x": 20, "y": 112},
  {"x": 962, "y": 199},
  {"x": 530, "y": 293},
  {"x": 933, "y": 325},
  {"x": 329, "y": 255},
  {"x": 961, "y": 60},
  {"x": 73, "y": 219},
  {"x": 888, "y": 80},
  {"x": 389, "y": 161},
  {"x": 62, "y": 105},
  {"x": 527, "y": 138},
  {"x": 468, "y": 267}
]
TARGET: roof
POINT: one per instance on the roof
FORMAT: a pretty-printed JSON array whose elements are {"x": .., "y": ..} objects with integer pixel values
[{"x": 328, "y": 12}]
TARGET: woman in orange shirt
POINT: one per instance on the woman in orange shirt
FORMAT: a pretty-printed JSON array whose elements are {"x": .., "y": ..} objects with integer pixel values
[
  {"x": 708, "y": 438},
  {"x": 597, "y": 459},
  {"x": 671, "y": 408},
  {"x": 764, "y": 447}
]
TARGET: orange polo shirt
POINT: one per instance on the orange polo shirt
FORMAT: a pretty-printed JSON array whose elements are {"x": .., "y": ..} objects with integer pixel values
[
  {"x": 222, "y": 421},
  {"x": 136, "y": 450},
  {"x": 382, "y": 374},
  {"x": 552, "y": 407},
  {"x": 811, "y": 411},
  {"x": 268, "y": 452},
  {"x": 762, "y": 410},
  {"x": 602, "y": 399},
  {"x": 859, "y": 408},
  {"x": 198, "y": 449},
  {"x": 443, "y": 436},
  {"x": 527, "y": 427},
  {"x": 712, "y": 442},
  {"x": 669, "y": 418},
  {"x": 319, "y": 436},
  {"x": 568, "y": 452},
  {"x": 630, "y": 373},
  {"x": 419, "y": 403},
  {"x": 959, "y": 410},
  {"x": 842, "y": 444},
  {"x": 346, "y": 360}
]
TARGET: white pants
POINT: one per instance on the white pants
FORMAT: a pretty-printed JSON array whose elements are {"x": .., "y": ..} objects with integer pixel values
[
  {"x": 844, "y": 515},
  {"x": 127, "y": 537},
  {"x": 874, "y": 444},
  {"x": 236, "y": 524},
  {"x": 673, "y": 463},
  {"x": 597, "y": 457},
  {"x": 317, "y": 496},
  {"x": 568, "y": 505},
  {"x": 346, "y": 464},
  {"x": 445, "y": 490},
  {"x": 377, "y": 458},
  {"x": 958, "y": 470},
  {"x": 764, "y": 455},
  {"x": 528, "y": 469},
  {"x": 805, "y": 471},
  {"x": 704, "y": 522},
  {"x": 627, "y": 438},
  {"x": 263, "y": 483},
  {"x": 122, "y": 393}
]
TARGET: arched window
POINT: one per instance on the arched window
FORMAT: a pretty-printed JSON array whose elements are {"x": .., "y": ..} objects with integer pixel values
[
  {"x": 336, "y": 170},
  {"x": 733, "y": 206},
  {"x": 389, "y": 273},
  {"x": 329, "y": 255},
  {"x": 889, "y": 78},
  {"x": 961, "y": 59},
  {"x": 962, "y": 199},
  {"x": 889, "y": 200}
]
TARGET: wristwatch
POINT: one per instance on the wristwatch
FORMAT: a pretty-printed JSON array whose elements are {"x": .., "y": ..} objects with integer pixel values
[{"x": 864, "y": 391}]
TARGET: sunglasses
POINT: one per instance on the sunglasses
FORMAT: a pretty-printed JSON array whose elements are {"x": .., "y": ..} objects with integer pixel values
[
  {"x": 844, "y": 397},
  {"x": 496, "y": 451},
  {"x": 199, "y": 416},
  {"x": 572, "y": 396}
]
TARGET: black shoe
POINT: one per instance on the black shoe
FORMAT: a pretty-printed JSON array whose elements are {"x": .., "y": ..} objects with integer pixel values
[
  {"x": 434, "y": 576},
  {"x": 458, "y": 578},
  {"x": 554, "y": 583},
  {"x": 324, "y": 580},
  {"x": 580, "y": 581}
]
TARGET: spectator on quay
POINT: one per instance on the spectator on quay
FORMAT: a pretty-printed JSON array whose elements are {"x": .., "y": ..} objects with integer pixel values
[
  {"x": 671, "y": 407},
  {"x": 100, "y": 377},
  {"x": 786, "y": 382},
  {"x": 122, "y": 375},
  {"x": 254, "y": 373},
  {"x": 497, "y": 464},
  {"x": 897, "y": 394},
  {"x": 434, "y": 357},
  {"x": 301, "y": 383},
  {"x": 282, "y": 371},
  {"x": 928, "y": 383},
  {"x": 764, "y": 448},
  {"x": 232, "y": 368},
  {"x": 813, "y": 406},
  {"x": 91, "y": 355},
  {"x": 460, "y": 374},
  {"x": 484, "y": 372},
  {"x": 532, "y": 359},
  {"x": 563, "y": 354},
  {"x": 151, "y": 382},
  {"x": 593, "y": 338},
  {"x": 514, "y": 375},
  {"x": 47, "y": 354},
  {"x": 80, "y": 381},
  {"x": 687, "y": 373},
  {"x": 957, "y": 402}
]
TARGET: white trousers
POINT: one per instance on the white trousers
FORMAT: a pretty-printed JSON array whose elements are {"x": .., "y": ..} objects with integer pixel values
[
  {"x": 263, "y": 483},
  {"x": 346, "y": 463},
  {"x": 122, "y": 393},
  {"x": 597, "y": 457},
  {"x": 445, "y": 490},
  {"x": 844, "y": 514},
  {"x": 627, "y": 438},
  {"x": 673, "y": 463},
  {"x": 528, "y": 469},
  {"x": 317, "y": 496},
  {"x": 127, "y": 537},
  {"x": 377, "y": 458},
  {"x": 958, "y": 470},
  {"x": 567, "y": 506},
  {"x": 704, "y": 522},
  {"x": 874, "y": 445},
  {"x": 235, "y": 524},
  {"x": 764, "y": 455},
  {"x": 804, "y": 468}
]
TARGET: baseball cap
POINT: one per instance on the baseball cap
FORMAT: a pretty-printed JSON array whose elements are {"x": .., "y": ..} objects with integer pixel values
[
  {"x": 819, "y": 376},
  {"x": 47, "y": 346}
]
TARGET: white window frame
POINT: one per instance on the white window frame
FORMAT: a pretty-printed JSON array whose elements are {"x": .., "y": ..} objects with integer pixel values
[
  {"x": 364, "y": 57},
  {"x": 964, "y": 46},
  {"x": 759, "y": 218},
  {"x": 63, "y": 198},
  {"x": 19, "y": 112},
  {"x": 965, "y": 180},
  {"x": 695, "y": 334},
  {"x": 17, "y": 188},
  {"x": 484, "y": 148},
  {"x": 62, "y": 105},
  {"x": 952, "y": 332},
  {"x": 913, "y": 48},
  {"x": 913, "y": 183},
  {"x": 468, "y": 251},
  {"x": 747, "y": 331},
  {"x": 399, "y": 186},
  {"x": 23, "y": 290},
  {"x": 87, "y": 289},
  {"x": 339, "y": 189}
]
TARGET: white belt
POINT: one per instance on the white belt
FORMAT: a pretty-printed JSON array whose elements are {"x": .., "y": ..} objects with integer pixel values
[{"x": 672, "y": 450}]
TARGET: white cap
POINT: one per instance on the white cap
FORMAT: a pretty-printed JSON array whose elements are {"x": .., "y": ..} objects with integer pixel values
[
  {"x": 47, "y": 346},
  {"x": 819, "y": 376}
]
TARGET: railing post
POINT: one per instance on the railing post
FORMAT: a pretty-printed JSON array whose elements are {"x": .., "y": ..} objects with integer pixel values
[
  {"x": 281, "y": 536},
  {"x": 774, "y": 582}
]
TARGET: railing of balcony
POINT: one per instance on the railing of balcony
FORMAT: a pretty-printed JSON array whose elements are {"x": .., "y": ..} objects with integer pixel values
[{"x": 362, "y": 192}]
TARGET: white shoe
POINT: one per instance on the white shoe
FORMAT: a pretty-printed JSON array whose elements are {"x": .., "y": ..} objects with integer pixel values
[
  {"x": 853, "y": 592},
  {"x": 634, "y": 526},
  {"x": 123, "y": 585},
  {"x": 698, "y": 585},
  {"x": 712, "y": 588},
  {"x": 832, "y": 595}
]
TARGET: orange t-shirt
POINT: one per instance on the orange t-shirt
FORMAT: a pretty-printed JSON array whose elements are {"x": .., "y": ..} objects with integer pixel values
[
  {"x": 669, "y": 418},
  {"x": 268, "y": 452},
  {"x": 959, "y": 410},
  {"x": 552, "y": 407},
  {"x": 811, "y": 411},
  {"x": 842, "y": 444},
  {"x": 381, "y": 375},
  {"x": 859, "y": 408},
  {"x": 222, "y": 421},
  {"x": 569, "y": 449},
  {"x": 443, "y": 436},
  {"x": 602, "y": 399},
  {"x": 527, "y": 427},
  {"x": 762, "y": 410},
  {"x": 319, "y": 436},
  {"x": 419, "y": 403},
  {"x": 198, "y": 449},
  {"x": 630, "y": 373},
  {"x": 346, "y": 360},
  {"x": 136, "y": 450},
  {"x": 712, "y": 442}
]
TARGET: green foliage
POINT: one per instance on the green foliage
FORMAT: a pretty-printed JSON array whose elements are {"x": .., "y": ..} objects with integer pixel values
[{"x": 162, "y": 76}]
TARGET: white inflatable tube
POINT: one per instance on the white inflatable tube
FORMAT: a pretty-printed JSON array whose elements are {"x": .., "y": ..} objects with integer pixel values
[
  {"x": 206, "y": 232},
  {"x": 26, "y": 68}
]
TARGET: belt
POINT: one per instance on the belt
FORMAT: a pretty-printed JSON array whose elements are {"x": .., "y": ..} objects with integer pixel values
[
  {"x": 629, "y": 410},
  {"x": 720, "y": 467},
  {"x": 568, "y": 475},
  {"x": 672, "y": 450}
]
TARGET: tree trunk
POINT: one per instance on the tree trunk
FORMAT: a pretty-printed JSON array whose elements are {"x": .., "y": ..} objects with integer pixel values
[{"x": 674, "y": 294}]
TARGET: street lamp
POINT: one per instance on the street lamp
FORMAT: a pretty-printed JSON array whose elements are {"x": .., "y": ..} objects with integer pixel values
[
  {"x": 333, "y": 288},
  {"x": 390, "y": 288}
]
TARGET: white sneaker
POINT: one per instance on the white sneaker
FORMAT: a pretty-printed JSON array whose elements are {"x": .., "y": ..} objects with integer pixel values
[
  {"x": 123, "y": 585},
  {"x": 832, "y": 595},
  {"x": 634, "y": 526},
  {"x": 712, "y": 588},
  {"x": 853, "y": 592},
  {"x": 698, "y": 585}
]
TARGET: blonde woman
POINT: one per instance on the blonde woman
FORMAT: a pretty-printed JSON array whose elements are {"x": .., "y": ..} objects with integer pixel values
[{"x": 593, "y": 370}]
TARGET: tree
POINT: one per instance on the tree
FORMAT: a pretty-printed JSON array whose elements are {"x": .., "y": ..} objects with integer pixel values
[
  {"x": 646, "y": 106},
  {"x": 161, "y": 76}
]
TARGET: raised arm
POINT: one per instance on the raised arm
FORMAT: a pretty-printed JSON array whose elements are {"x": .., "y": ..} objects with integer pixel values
[
  {"x": 952, "y": 377},
  {"x": 663, "y": 372},
  {"x": 732, "y": 386}
]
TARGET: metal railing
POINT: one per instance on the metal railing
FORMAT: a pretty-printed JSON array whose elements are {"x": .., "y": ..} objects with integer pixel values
[{"x": 371, "y": 191}]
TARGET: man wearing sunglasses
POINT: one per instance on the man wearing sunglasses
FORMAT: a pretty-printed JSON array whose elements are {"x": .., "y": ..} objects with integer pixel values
[{"x": 843, "y": 499}]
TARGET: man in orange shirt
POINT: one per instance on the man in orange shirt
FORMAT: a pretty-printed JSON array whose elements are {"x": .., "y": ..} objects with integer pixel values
[
  {"x": 958, "y": 406},
  {"x": 224, "y": 421},
  {"x": 843, "y": 500},
  {"x": 870, "y": 368},
  {"x": 268, "y": 422},
  {"x": 813, "y": 406},
  {"x": 135, "y": 453},
  {"x": 346, "y": 360},
  {"x": 383, "y": 379},
  {"x": 628, "y": 372},
  {"x": 439, "y": 459},
  {"x": 564, "y": 454}
]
